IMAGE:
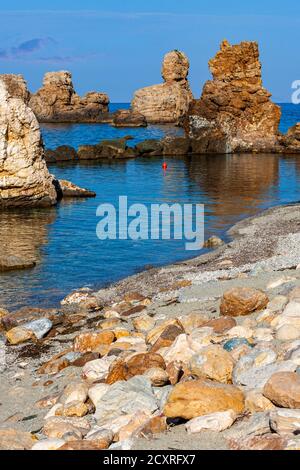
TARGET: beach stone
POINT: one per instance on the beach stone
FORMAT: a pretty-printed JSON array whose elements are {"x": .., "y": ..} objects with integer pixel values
[
  {"x": 122, "y": 445},
  {"x": 287, "y": 332},
  {"x": 135, "y": 365},
  {"x": 111, "y": 314},
  {"x": 213, "y": 242},
  {"x": 39, "y": 327},
  {"x": 96, "y": 392},
  {"x": 278, "y": 303},
  {"x": 233, "y": 343},
  {"x": 167, "y": 337},
  {"x": 125, "y": 398},
  {"x": 155, "y": 425},
  {"x": 18, "y": 335},
  {"x": 174, "y": 370},
  {"x": 76, "y": 391},
  {"x": 75, "y": 408},
  {"x": 242, "y": 301},
  {"x": 154, "y": 334},
  {"x": 192, "y": 321},
  {"x": 122, "y": 333},
  {"x": 179, "y": 351},
  {"x": 97, "y": 369},
  {"x": 135, "y": 425},
  {"x": 214, "y": 363},
  {"x": 88, "y": 342},
  {"x": 143, "y": 323},
  {"x": 263, "y": 334},
  {"x": 81, "y": 360},
  {"x": 59, "y": 427},
  {"x": 283, "y": 389},
  {"x": 265, "y": 442},
  {"x": 109, "y": 323},
  {"x": 158, "y": 376},
  {"x": 285, "y": 421},
  {"x": 222, "y": 324},
  {"x": 217, "y": 422},
  {"x": 201, "y": 397},
  {"x": 256, "y": 402},
  {"x": 257, "y": 376},
  {"x": 12, "y": 439},
  {"x": 200, "y": 338},
  {"x": 53, "y": 366},
  {"x": 85, "y": 445},
  {"x": 48, "y": 444},
  {"x": 101, "y": 437},
  {"x": 45, "y": 402},
  {"x": 240, "y": 331},
  {"x": 290, "y": 316},
  {"x": 257, "y": 424}
]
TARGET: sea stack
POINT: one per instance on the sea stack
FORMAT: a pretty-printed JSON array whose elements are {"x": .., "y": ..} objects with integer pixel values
[
  {"x": 234, "y": 113},
  {"x": 167, "y": 102},
  {"x": 57, "y": 101},
  {"x": 24, "y": 177}
]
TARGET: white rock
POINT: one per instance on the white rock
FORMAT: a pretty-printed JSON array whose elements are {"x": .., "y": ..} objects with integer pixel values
[
  {"x": 239, "y": 332},
  {"x": 180, "y": 350},
  {"x": 48, "y": 444},
  {"x": 278, "y": 303},
  {"x": 122, "y": 445},
  {"x": 97, "y": 391},
  {"x": 125, "y": 398},
  {"x": 256, "y": 377},
  {"x": 287, "y": 332},
  {"x": 75, "y": 391},
  {"x": 55, "y": 409},
  {"x": 39, "y": 327},
  {"x": 97, "y": 369},
  {"x": 217, "y": 422},
  {"x": 280, "y": 282},
  {"x": 263, "y": 334},
  {"x": 290, "y": 316}
]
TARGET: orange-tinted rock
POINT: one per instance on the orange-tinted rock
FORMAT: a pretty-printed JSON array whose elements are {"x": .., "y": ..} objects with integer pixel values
[
  {"x": 242, "y": 301},
  {"x": 136, "y": 365},
  {"x": 265, "y": 442},
  {"x": 57, "y": 101},
  {"x": 201, "y": 397},
  {"x": 117, "y": 372},
  {"x": 155, "y": 425},
  {"x": 283, "y": 389},
  {"x": 85, "y": 445},
  {"x": 175, "y": 371},
  {"x": 132, "y": 310},
  {"x": 87, "y": 357},
  {"x": 128, "y": 118},
  {"x": 169, "y": 101},
  {"x": 87, "y": 342},
  {"x": 222, "y": 324},
  {"x": 12, "y": 439},
  {"x": 155, "y": 333},
  {"x": 235, "y": 112},
  {"x": 53, "y": 366},
  {"x": 167, "y": 337}
]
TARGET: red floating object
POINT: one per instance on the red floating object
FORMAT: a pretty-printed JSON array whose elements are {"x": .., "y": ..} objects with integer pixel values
[{"x": 165, "y": 166}]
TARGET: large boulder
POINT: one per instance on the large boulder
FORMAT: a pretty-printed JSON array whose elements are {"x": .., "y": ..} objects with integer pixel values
[
  {"x": 234, "y": 113},
  {"x": 167, "y": 102},
  {"x": 57, "y": 101},
  {"x": 24, "y": 177}
]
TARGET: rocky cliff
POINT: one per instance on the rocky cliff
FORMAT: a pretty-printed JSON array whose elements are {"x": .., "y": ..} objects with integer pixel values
[
  {"x": 234, "y": 113},
  {"x": 24, "y": 177},
  {"x": 167, "y": 102},
  {"x": 57, "y": 101}
]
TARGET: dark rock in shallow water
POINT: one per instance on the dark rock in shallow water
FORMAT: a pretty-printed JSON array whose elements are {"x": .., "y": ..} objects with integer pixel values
[
  {"x": 11, "y": 262},
  {"x": 176, "y": 146},
  {"x": 129, "y": 118},
  {"x": 107, "y": 149},
  {"x": 63, "y": 153},
  {"x": 89, "y": 152},
  {"x": 150, "y": 147}
]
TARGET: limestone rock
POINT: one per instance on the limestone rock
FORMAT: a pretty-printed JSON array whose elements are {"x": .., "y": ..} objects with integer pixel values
[
  {"x": 201, "y": 397},
  {"x": 242, "y": 301},
  {"x": 48, "y": 444},
  {"x": 138, "y": 364},
  {"x": 69, "y": 189},
  {"x": 87, "y": 342},
  {"x": 169, "y": 101},
  {"x": 25, "y": 180},
  {"x": 213, "y": 362},
  {"x": 234, "y": 113},
  {"x": 128, "y": 118},
  {"x": 39, "y": 327},
  {"x": 69, "y": 429},
  {"x": 167, "y": 337},
  {"x": 12, "y": 439},
  {"x": 97, "y": 369},
  {"x": 283, "y": 389},
  {"x": 97, "y": 391},
  {"x": 63, "y": 153},
  {"x": 256, "y": 402},
  {"x": 285, "y": 421},
  {"x": 57, "y": 101},
  {"x": 216, "y": 422},
  {"x": 75, "y": 391},
  {"x": 16, "y": 86},
  {"x": 158, "y": 376},
  {"x": 173, "y": 146},
  {"x": 19, "y": 335},
  {"x": 287, "y": 332},
  {"x": 155, "y": 333}
]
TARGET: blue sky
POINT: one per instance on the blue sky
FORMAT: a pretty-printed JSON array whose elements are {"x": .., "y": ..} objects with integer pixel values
[{"x": 116, "y": 46}]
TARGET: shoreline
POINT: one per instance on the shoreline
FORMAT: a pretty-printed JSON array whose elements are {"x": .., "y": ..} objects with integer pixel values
[{"x": 263, "y": 250}]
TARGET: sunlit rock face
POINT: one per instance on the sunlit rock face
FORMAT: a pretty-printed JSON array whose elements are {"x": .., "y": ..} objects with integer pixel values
[
  {"x": 234, "y": 113},
  {"x": 24, "y": 177},
  {"x": 167, "y": 102},
  {"x": 57, "y": 101}
]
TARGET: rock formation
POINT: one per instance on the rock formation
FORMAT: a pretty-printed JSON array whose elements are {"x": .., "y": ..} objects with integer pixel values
[
  {"x": 234, "y": 113},
  {"x": 57, "y": 101},
  {"x": 169, "y": 101},
  {"x": 24, "y": 177},
  {"x": 128, "y": 118},
  {"x": 16, "y": 86}
]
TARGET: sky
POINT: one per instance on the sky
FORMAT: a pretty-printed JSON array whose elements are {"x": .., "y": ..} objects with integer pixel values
[{"x": 117, "y": 46}]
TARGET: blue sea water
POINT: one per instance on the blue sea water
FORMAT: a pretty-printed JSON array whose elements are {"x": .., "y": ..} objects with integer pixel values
[{"x": 64, "y": 238}]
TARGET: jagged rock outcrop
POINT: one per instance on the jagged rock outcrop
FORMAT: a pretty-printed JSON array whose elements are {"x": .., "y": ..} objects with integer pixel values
[
  {"x": 128, "y": 118},
  {"x": 16, "y": 86},
  {"x": 291, "y": 140},
  {"x": 167, "y": 102},
  {"x": 57, "y": 101},
  {"x": 24, "y": 177},
  {"x": 234, "y": 113}
]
